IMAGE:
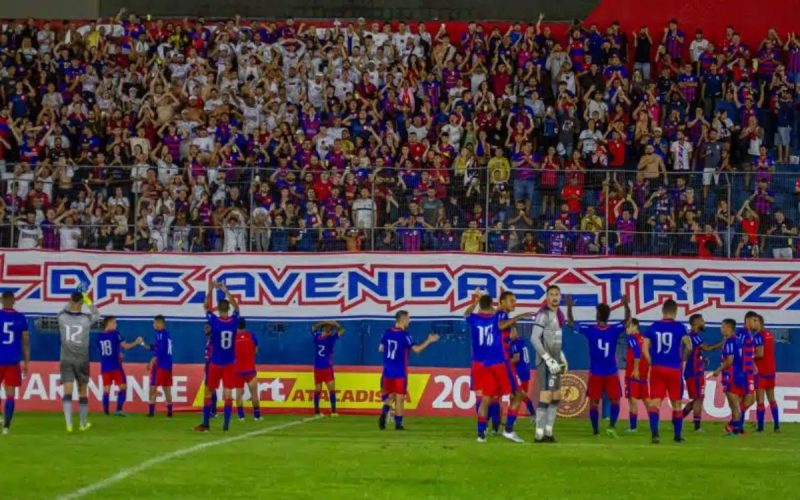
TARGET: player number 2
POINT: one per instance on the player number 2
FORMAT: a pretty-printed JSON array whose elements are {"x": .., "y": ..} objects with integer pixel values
[
  {"x": 664, "y": 340},
  {"x": 226, "y": 339},
  {"x": 604, "y": 346},
  {"x": 391, "y": 348},
  {"x": 8, "y": 331},
  {"x": 105, "y": 347}
]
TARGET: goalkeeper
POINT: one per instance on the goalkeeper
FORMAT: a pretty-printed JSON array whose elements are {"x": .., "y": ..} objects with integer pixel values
[{"x": 550, "y": 363}]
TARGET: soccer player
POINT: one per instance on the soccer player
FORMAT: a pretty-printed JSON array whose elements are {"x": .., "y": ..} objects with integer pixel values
[
  {"x": 694, "y": 369},
  {"x": 246, "y": 350},
  {"x": 744, "y": 372},
  {"x": 223, "y": 353},
  {"x": 395, "y": 346},
  {"x": 637, "y": 369},
  {"x": 550, "y": 363},
  {"x": 603, "y": 371},
  {"x": 111, "y": 372},
  {"x": 160, "y": 366},
  {"x": 765, "y": 379},
  {"x": 507, "y": 303},
  {"x": 494, "y": 377},
  {"x": 521, "y": 361},
  {"x": 662, "y": 348},
  {"x": 207, "y": 333},
  {"x": 730, "y": 354},
  {"x": 325, "y": 334},
  {"x": 74, "y": 326},
  {"x": 14, "y": 347}
]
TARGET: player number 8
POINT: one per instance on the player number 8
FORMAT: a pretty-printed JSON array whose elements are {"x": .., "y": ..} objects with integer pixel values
[{"x": 226, "y": 339}]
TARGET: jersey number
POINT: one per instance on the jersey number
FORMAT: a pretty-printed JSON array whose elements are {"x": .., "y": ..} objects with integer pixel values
[
  {"x": 391, "y": 348},
  {"x": 321, "y": 351},
  {"x": 604, "y": 346},
  {"x": 525, "y": 355},
  {"x": 664, "y": 342},
  {"x": 225, "y": 340},
  {"x": 485, "y": 335},
  {"x": 7, "y": 330},
  {"x": 74, "y": 332},
  {"x": 105, "y": 348}
]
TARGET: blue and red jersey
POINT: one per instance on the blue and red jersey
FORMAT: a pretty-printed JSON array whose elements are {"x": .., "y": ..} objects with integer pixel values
[
  {"x": 245, "y": 349},
  {"x": 602, "y": 347},
  {"x": 12, "y": 326},
  {"x": 747, "y": 353},
  {"x": 729, "y": 348},
  {"x": 696, "y": 364},
  {"x": 634, "y": 352},
  {"x": 110, "y": 343},
  {"x": 487, "y": 344},
  {"x": 523, "y": 365},
  {"x": 396, "y": 345},
  {"x": 765, "y": 364},
  {"x": 162, "y": 350},
  {"x": 666, "y": 337},
  {"x": 323, "y": 348},
  {"x": 505, "y": 335},
  {"x": 223, "y": 330}
]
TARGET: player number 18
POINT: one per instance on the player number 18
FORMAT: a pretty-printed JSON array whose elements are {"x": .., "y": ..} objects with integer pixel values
[
  {"x": 485, "y": 336},
  {"x": 664, "y": 341},
  {"x": 105, "y": 347}
]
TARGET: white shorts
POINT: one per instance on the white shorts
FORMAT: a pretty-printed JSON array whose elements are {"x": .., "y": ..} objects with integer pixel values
[{"x": 708, "y": 175}]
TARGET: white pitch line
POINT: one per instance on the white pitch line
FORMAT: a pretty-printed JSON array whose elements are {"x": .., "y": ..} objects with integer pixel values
[{"x": 125, "y": 473}]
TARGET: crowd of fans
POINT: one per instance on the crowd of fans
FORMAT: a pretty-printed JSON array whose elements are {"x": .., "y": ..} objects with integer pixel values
[{"x": 187, "y": 135}]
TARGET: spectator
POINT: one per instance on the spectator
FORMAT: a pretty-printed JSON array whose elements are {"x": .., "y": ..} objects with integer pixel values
[{"x": 780, "y": 236}]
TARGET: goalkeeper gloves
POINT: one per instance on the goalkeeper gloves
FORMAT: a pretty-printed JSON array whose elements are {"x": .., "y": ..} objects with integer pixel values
[
  {"x": 553, "y": 366},
  {"x": 86, "y": 299}
]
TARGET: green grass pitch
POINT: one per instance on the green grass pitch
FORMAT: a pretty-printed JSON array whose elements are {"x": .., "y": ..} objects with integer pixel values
[{"x": 348, "y": 457}]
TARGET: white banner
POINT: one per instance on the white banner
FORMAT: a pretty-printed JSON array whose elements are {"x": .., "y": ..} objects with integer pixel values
[{"x": 433, "y": 285}]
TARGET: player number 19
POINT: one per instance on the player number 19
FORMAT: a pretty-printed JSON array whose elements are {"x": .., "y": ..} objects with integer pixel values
[
  {"x": 8, "y": 331},
  {"x": 664, "y": 340}
]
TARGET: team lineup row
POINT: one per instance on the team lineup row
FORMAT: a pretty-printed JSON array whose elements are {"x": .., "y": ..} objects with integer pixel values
[{"x": 658, "y": 363}]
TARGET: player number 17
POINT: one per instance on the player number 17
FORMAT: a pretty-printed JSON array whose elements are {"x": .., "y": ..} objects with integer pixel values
[{"x": 391, "y": 348}]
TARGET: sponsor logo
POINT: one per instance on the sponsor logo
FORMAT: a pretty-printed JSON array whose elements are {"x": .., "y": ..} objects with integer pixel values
[{"x": 573, "y": 396}]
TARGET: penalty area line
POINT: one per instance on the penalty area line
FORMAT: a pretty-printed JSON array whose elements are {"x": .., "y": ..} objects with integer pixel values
[{"x": 136, "y": 469}]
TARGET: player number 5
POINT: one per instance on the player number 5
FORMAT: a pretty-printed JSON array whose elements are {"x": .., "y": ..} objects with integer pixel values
[{"x": 8, "y": 331}]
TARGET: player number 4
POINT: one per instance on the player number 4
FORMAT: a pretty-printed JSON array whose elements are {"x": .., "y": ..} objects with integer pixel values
[
  {"x": 604, "y": 346},
  {"x": 8, "y": 331}
]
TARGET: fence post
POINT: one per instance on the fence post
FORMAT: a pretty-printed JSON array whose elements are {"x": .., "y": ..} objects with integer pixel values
[
  {"x": 374, "y": 219},
  {"x": 486, "y": 208},
  {"x": 728, "y": 228},
  {"x": 608, "y": 213},
  {"x": 252, "y": 206}
]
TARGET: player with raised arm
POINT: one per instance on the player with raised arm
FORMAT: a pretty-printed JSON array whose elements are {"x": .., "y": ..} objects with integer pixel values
[
  {"x": 221, "y": 369},
  {"x": 521, "y": 362},
  {"x": 662, "y": 343},
  {"x": 15, "y": 347},
  {"x": 395, "y": 346},
  {"x": 637, "y": 370},
  {"x": 325, "y": 335},
  {"x": 730, "y": 354},
  {"x": 694, "y": 368},
  {"x": 160, "y": 366},
  {"x": 246, "y": 350},
  {"x": 207, "y": 357},
  {"x": 603, "y": 372},
  {"x": 74, "y": 326},
  {"x": 547, "y": 340},
  {"x": 765, "y": 379},
  {"x": 493, "y": 376},
  {"x": 111, "y": 346}
]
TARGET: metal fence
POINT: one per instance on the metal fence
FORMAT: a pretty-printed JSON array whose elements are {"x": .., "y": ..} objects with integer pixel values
[{"x": 551, "y": 208}]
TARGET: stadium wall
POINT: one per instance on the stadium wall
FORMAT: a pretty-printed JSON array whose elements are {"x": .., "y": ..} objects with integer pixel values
[
  {"x": 50, "y": 9},
  {"x": 282, "y": 294}
]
